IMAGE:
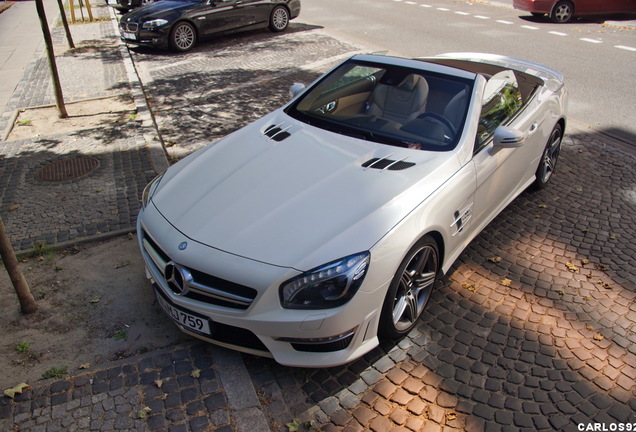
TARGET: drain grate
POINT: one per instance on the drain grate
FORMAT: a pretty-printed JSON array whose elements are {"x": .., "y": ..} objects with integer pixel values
[{"x": 68, "y": 168}]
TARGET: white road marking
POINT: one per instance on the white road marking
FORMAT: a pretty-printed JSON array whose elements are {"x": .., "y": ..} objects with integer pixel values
[
  {"x": 556, "y": 33},
  {"x": 529, "y": 27},
  {"x": 482, "y": 17},
  {"x": 623, "y": 47},
  {"x": 504, "y": 22},
  {"x": 596, "y": 41}
]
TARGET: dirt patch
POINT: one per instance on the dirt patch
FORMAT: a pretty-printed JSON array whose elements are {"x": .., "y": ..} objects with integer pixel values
[
  {"x": 45, "y": 121},
  {"x": 95, "y": 306}
]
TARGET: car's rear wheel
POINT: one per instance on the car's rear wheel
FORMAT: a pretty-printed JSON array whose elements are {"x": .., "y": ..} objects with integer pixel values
[
  {"x": 183, "y": 36},
  {"x": 549, "y": 158},
  {"x": 279, "y": 19},
  {"x": 562, "y": 12},
  {"x": 410, "y": 289}
]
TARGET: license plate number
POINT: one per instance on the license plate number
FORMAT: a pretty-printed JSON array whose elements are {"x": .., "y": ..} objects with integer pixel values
[
  {"x": 187, "y": 320},
  {"x": 128, "y": 35}
]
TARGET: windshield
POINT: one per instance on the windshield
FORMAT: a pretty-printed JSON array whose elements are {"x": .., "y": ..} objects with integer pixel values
[{"x": 389, "y": 104}]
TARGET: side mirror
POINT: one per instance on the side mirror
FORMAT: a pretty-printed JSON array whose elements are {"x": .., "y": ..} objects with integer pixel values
[
  {"x": 506, "y": 137},
  {"x": 296, "y": 89}
]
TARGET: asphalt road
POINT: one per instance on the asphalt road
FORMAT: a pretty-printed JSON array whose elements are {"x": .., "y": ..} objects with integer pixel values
[{"x": 597, "y": 59}]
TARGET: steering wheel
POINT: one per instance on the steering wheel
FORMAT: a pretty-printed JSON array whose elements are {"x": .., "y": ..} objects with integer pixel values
[{"x": 446, "y": 122}]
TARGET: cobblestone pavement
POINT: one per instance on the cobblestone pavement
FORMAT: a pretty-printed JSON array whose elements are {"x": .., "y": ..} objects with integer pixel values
[
  {"x": 534, "y": 328},
  {"x": 105, "y": 201}
]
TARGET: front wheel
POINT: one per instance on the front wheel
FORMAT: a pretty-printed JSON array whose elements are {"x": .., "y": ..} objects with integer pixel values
[
  {"x": 549, "y": 157},
  {"x": 562, "y": 12},
  {"x": 183, "y": 36},
  {"x": 410, "y": 289},
  {"x": 279, "y": 19}
]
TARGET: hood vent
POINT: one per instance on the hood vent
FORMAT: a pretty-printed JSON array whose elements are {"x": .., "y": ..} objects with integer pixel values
[
  {"x": 277, "y": 132},
  {"x": 387, "y": 164}
]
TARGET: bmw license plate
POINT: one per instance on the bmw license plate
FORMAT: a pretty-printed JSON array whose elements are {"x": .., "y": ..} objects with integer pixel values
[
  {"x": 128, "y": 35},
  {"x": 186, "y": 319}
]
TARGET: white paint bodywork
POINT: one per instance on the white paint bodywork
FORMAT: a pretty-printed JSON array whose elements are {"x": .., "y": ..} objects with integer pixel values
[{"x": 258, "y": 212}]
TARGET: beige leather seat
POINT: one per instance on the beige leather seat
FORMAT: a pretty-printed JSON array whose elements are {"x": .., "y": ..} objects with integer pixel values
[{"x": 401, "y": 103}]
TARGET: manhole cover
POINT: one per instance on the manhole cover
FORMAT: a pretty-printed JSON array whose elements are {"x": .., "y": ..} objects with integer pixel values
[{"x": 67, "y": 168}]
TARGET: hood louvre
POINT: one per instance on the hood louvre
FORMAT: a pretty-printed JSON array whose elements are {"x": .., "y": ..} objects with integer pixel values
[
  {"x": 387, "y": 164},
  {"x": 277, "y": 132}
]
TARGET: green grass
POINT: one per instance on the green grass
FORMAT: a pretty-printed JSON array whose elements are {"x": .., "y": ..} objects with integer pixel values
[
  {"x": 55, "y": 372},
  {"x": 23, "y": 347}
]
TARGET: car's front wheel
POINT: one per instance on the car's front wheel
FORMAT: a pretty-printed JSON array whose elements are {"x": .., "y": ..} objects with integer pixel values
[
  {"x": 279, "y": 19},
  {"x": 562, "y": 12},
  {"x": 549, "y": 158},
  {"x": 410, "y": 289},
  {"x": 183, "y": 36}
]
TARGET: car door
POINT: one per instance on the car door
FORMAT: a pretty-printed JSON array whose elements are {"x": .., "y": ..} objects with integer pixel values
[
  {"x": 502, "y": 173},
  {"x": 255, "y": 11},
  {"x": 219, "y": 16}
]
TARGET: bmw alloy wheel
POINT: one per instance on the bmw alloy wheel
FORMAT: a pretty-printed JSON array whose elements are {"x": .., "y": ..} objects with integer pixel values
[
  {"x": 183, "y": 37},
  {"x": 279, "y": 20}
]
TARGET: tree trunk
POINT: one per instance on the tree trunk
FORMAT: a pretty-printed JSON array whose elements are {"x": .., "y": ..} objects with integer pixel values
[
  {"x": 27, "y": 302},
  {"x": 69, "y": 38},
  {"x": 59, "y": 97}
]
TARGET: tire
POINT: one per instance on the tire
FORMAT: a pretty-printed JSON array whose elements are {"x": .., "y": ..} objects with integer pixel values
[
  {"x": 183, "y": 36},
  {"x": 410, "y": 289},
  {"x": 549, "y": 158},
  {"x": 562, "y": 12},
  {"x": 279, "y": 19}
]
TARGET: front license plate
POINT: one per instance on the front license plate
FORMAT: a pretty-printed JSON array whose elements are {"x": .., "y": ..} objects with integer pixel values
[
  {"x": 128, "y": 35},
  {"x": 186, "y": 319}
]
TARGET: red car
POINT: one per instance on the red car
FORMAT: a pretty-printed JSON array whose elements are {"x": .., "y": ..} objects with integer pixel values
[{"x": 561, "y": 11}]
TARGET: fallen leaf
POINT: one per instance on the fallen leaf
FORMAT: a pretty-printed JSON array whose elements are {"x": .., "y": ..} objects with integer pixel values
[
  {"x": 602, "y": 267},
  {"x": 571, "y": 266},
  {"x": 542, "y": 206},
  {"x": 95, "y": 300},
  {"x": 294, "y": 425},
  {"x": 159, "y": 383},
  {"x": 196, "y": 373},
  {"x": 494, "y": 259},
  {"x": 561, "y": 292},
  {"x": 506, "y": 282},
  {"x": 469, "y": 287},
  {"x": 120, "y": 265},
  {"x": 585, "y": 261},
  {"x": 10, "y": 393},
  {"x": 612, "y": 236},
  {"x": 589, "y": 327},
  {"x": 14, "y": 207},
  {"x": 144, "y": 412},
  {"x": 598, "y": 337},
  {"x": 451, "y": 416}
]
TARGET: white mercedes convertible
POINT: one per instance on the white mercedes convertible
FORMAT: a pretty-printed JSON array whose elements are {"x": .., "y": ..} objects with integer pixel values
[{"x": 311, "y": 233}]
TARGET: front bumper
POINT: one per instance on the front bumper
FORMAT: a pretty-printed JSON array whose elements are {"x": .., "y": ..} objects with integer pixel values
[
  {"x": 138, "y": 36},
  {"x": 254, "y": 323}
]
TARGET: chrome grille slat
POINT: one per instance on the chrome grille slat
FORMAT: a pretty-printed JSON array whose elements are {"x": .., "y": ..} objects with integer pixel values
[{"x": 196, "y": 289}]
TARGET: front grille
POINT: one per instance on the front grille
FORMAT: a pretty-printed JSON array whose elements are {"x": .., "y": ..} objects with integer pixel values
[
  {"x": 236, "y": 336},
  {"x": 129, "y": 26},
  {"x": 204, "y": 287}
]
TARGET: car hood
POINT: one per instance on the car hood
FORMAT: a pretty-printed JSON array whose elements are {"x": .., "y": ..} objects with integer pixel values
[
  {"x": 156, "y": 9},
  {"x": 298, "y": 202}
]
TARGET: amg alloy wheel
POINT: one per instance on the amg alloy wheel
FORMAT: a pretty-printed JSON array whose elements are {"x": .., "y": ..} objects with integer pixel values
[
  {"x": 410, "y": 289},
  {"x": 549, "y": 158},
  {"x": 279, "y": 19},
  {"x": 183, "y": 36}
]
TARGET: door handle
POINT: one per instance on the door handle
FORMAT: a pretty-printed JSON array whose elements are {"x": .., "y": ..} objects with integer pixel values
[{"x": 533, "y": 128}]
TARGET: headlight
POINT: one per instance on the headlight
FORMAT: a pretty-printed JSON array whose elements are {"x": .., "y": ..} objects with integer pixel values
[
  {"x": 149, "y": 190},
  {"x": 328, "y": 286},
  {"x": 153, "y": 24}
]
